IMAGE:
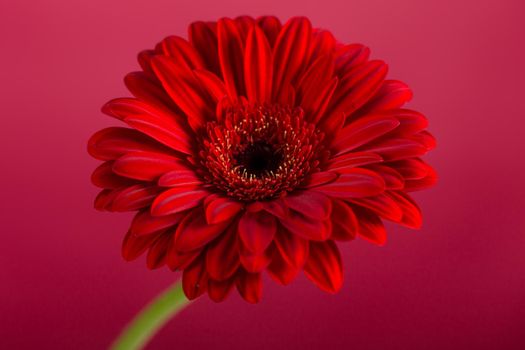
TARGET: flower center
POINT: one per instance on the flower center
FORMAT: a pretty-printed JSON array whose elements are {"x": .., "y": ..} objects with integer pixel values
[
  {"x": 259, "y": 152},
  {"x": 259, "y": 159}
]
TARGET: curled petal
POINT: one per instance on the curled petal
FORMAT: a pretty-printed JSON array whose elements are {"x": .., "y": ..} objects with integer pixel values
[
  {"x": 371, "y": 227},
  {"x": 220, "y": 209},
  {"x": 362, "y": 131},
  {"x": 204, "y": 39},
  {"x": 133, "y": 246},
  {"x": 135, "y": 197},
  {"x": 258, "y": 66},
  {"x": 292, "y": 248},
  {"x": 306, "y": 227},
  {"x": 257, "y": 230},
  {"x": 249, "y": 286},
  {"x": 182, "y": 52},
  {"x": 271, "y": 27},
  {"x": 178, "y": 178},
  {"x": 147, "y": 166},
  {"x": 344, "y": 222},
  {"x": 324, "y": 266},
  {"x": 104, "y": 177},
  {"x": 144, "y": 223},
  {"x": 195, "y": 279},
  {"x": 194, "y": 232},
  {"x": 177, "y": 199},
  {"x": 112, "y": 143},
  {"x": 411, "y": 213},
  {"x": 351, "y": 160},
  {"x": 157, "y": 252},
  {"x": 355, "y": 183},
  {"x": 185, "y": 89},
  {"x": 231, "y": 54},
  {"x": 319, "y": 178},
  {"x": 222, "y": 256},
  {"x": 290, "y": 49},
  {"x": 219, "y": 290},
  {"x": 312, "y": 204},
  {"x": 281, "y": 270}
]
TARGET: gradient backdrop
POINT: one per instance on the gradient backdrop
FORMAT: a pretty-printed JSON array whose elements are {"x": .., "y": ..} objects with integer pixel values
[{"x": 459, "y": 283}]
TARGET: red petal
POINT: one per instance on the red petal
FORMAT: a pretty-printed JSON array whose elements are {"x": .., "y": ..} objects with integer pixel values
[
  {"x": 292, "y": 248},
  {"x": 289, "y": 53},
  {"x": 427, "y": 181},
  {"x": 185, "y": 89},
  {"x": 135, "y": 197},
  {"x": 316, "y": 79},
  {"x": 220, "y": 209},
  {"x": 231, "y": 54},
  {"x": 177, "y": 199},
  {"x": 319, "y": 178},
  {"x": 371, "y": 227},
  {"x": 258, "y": 67},
  {"x": 382, "y": 205},
  {"x": 352, "y": 160},
  {"x": 212, "y": 83},
  {"x": 323, "y": 42},
  {"x": 410, "y": 169},
  {"x": 179, "y": 261},
  {"x": 148, "y": 166},
  {"x": 157, "y": 252},
  {"x": 104, "y": 177},
  {"x": 244, "y": 24},
  {"x": 113, "y": 142},
  {"x": 357, "y": 86},
  {"x": 147, "y": 88},
  {"x": 350, "y": 56},
  {"x": 249, "y": 286},
  {"x": 222, "y": 257},
  {"x": 344, "y": 221},
  {"x": 324, "y": 266},
  {"x": 411, "y": 213},
  {"x": 363, "y": 130},
  {"x": 194, "y": 232},
  {"x": 391, "y": 95},
  {"x": 257, "y": 230},
  {"x": 276, "y": 207},
  {"x": 255, "y": 262},
  {"x": 167, "y": 131},
  {"x": 271, "y": 27},
  {"x": 182, "y": 52},
  {"x": 396, "y": 149},
  {"x": 281, "y": 271},
  {"x": 219, "y": 290},
  {"x": 104, "y": 199},
  {"x": 144, "y": 223},
  {"x": 355, "y": 183},
  {"x": 203, "y": 38},
  {"x": 305, "y": 227},
  {"x": 133, "y": 246},
  {"x": 179, "y": 178},
  {"x": 195, "y": 279},
  {"x": 312, "y": 204},
  {"x": 393, "y": 179}
]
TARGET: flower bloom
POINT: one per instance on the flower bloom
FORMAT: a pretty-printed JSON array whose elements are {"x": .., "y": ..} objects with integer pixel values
[{"x": 256, "y": 146}]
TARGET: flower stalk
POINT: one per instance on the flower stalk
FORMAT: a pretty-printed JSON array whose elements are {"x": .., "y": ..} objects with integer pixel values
[{"x": 151, "y": 319}]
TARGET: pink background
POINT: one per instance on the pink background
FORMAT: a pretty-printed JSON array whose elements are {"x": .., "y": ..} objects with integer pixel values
[{"x": 458, "y": 283}]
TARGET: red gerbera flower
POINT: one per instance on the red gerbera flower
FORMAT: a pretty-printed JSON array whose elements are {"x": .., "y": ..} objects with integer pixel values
[{"x": 255, "y": 146}]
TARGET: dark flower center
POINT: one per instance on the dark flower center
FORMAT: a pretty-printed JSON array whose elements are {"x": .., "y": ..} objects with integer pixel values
[
  {"x": 259, "y": 159},
  {"x": 258, "y": 152}
]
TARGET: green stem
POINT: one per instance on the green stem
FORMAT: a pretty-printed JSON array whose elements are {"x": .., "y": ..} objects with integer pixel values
[{"x": 151, "y": 319}]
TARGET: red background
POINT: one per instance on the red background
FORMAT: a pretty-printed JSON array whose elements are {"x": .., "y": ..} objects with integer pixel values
[{"x": 457, "y": 283}]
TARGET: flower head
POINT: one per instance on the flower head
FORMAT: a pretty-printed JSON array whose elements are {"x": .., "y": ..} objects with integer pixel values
[{"x": 255, "y": 146}]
